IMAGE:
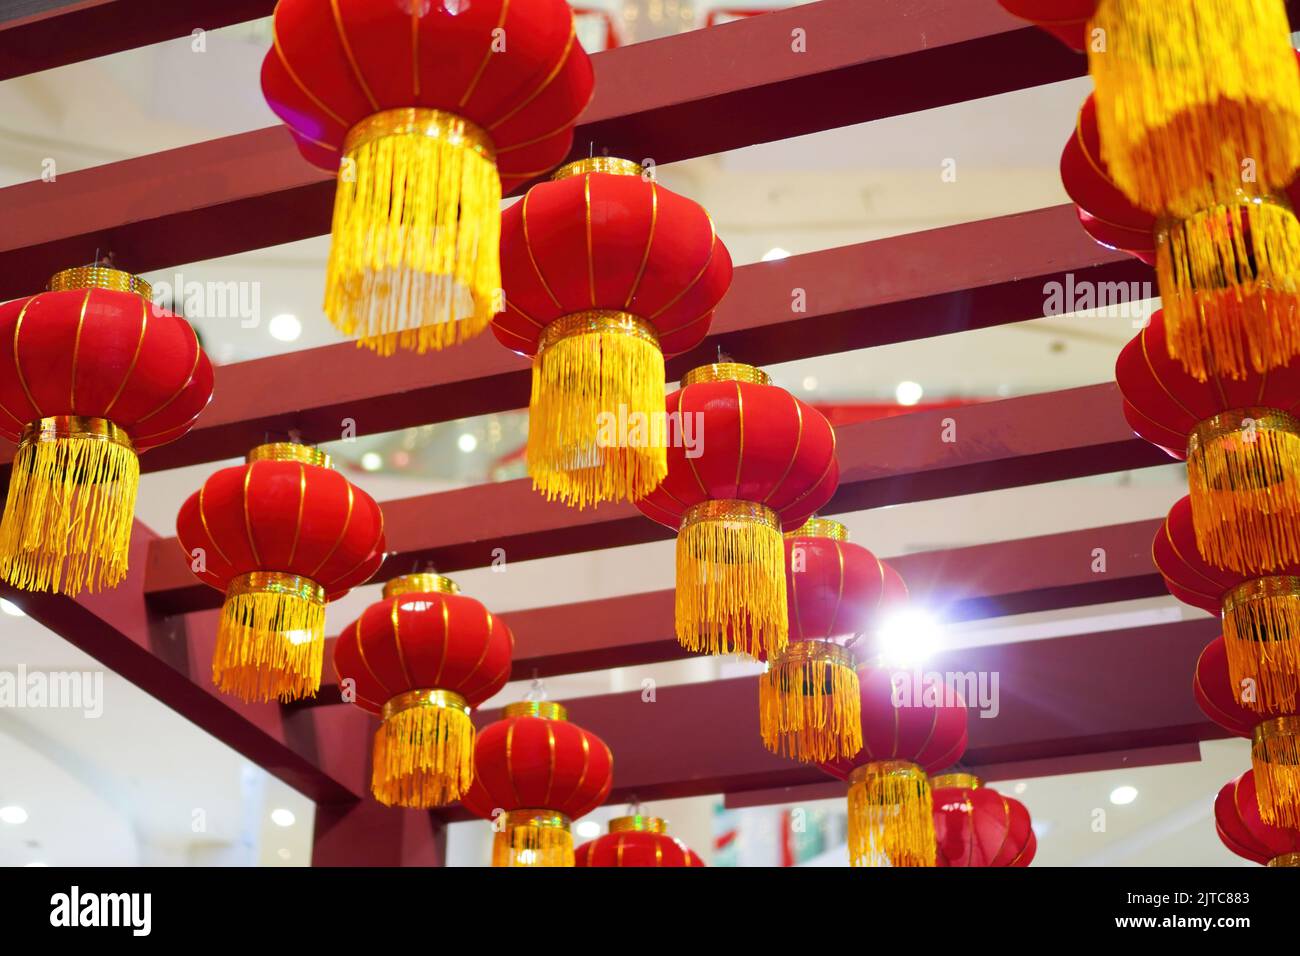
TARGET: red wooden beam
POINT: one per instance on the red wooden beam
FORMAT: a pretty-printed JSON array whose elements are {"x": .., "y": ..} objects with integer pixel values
[
  {"x": 1010, "y": 443},
  {"x": 713, "y": 90}
]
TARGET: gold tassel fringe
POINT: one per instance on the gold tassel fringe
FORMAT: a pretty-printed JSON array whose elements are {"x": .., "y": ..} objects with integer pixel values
[
  {"x": 1189, "y": 89},
  {"x": 1243, "y": 472},
  {"x": 424, "y": 750},
  {"x": 731, "y": 580},
  {"x": 891, "y": 816},
  {"x": 1230, "y": 278},
  {"x": 415, "y": 258},
  {"x": 271, "y": 638},
  {"x": 1261, "y": 635},
  {"x": 597, "y": 429},
  {"x": 533, "y": 838},
  {"x": 809, "y": 703},
  {"x": 67, "y": 520},
  {"x": 1275, "y": 755}
]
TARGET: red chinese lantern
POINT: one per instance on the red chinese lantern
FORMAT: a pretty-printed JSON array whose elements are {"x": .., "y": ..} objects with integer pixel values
[
  {"x": 977, "y": 826},
  {"x": 1261, "y": 613},
  {"x": 1238, "y": 823},
  {"x": 428, "y": 111},
  {"x": 1067, "y": 20},
  {"x": 421, "y": 659},
  {"x": 907, "y": 733},
  {"x": 535, "y": 773},
  {"x": 281, "y": 535},
  {"x": 636, "y": 840},
  {"x": 605, "y": 273},
  {"x": 808, "y": 697},
  {"x": 1274, "y": 734},
  {"x": 767, "y": 465},
  {"x": 1241, "y": 439},
  {"x": 91, "y": 374}
]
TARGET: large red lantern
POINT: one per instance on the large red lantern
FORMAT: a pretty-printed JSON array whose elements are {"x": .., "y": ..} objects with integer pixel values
[
  {"x": 636, "y": 840},
  {"x": 836, "y": 591},
  {"x": 421, "y": 659},
  {"x": 755, "y": 461},
  {"x": 605, "y": 273},
  {"x": 534, "y": 774},
  {"x": 975, "y": 825},
  {"x": 1238, "y": 823},
  {"x": 428, "y": 111},
  {"x": 91, "y": 374},
  {"x": 1261, "y": 612},
  {"x": 907, "y": 733},
  {"x": 1241, "y": 439},
  {"x": 1274, "y": 734},
  {"x": 281, "y": 535}
]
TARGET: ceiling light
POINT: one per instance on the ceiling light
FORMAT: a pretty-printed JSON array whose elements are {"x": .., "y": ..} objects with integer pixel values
[
  {"x": 588, "y": 829},
  {"x": 810, "y": 383},
  {"x": 10, "y": 608},
  {"x": 372, "y": 461},
  {"x": 13, "y": 815},
  {"x": 908, "y": 393},
  {"x": 1123, "y": 795},
  {"x": 467, "y": 443},
  {"x": 1021, "y": 787},
  {"x": 776, "y": 252},
  {"x": 282, "y": 817},
  {"x": 285, "y": 327},
  {"x": 36, "y": 863},
  {"x": 283, "y": 853},
  {"x": 908, "y": 638}
]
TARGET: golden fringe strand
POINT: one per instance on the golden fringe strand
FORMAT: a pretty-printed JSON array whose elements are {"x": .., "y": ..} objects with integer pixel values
[
  {"x": 1261, "y": 635},
  {"x": 809, "y": 702},
  {"x": 424, "y": 750},
  {"x": 271, "y": 638},
  {"x": 891, "y": 817},
  {"x": 1275, "y": 756},
  {"x": 533, "y": 838}
]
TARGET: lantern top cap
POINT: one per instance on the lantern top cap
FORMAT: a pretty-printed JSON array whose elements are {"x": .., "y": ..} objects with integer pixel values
[
  {"x": 817, "y": 650},
  {"x": 548, "y": 709},
  {"x": 424, "y": 582},
  {"x": 638, "y": 823},
  {"x": 611, "y": 165},
  {"x": 726, "y": 372},
  {"x": 290, "y": 451},
  {"x": 961, "y": 781},
  {"x": 99, "y": 277},
  {"x": 820, "y": 528}
]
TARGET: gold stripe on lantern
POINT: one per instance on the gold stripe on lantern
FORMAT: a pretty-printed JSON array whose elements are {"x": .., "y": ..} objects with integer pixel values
[
  {"x": 809, "y": 701},
  {"x": 891, "y": 817},
  {"x": 532, "y": 838}
]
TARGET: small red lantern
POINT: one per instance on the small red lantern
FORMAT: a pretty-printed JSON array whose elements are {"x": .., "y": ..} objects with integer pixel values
[
  {"x": 636, "y": 840},
  {"x": 91, "y": 374},
  {"x": 1067, "y": 20},
  {"x": 281, "y": 535},
  {"x": 808, "y": 697},
  {"x": 977, "y": 826},
  {"x": 908, "y": 732},
  {"x": 432, "y": 109},
  {"x": 1261, "y": 613},
  {"x": 605, "y": 273},
  {"x": 1241, "y": 439},
  {"x": 767, "y": 465},
  {"x": 1238, "y": 823},
  {"x": 1274, "y": 734},
  {"x": 535, "y": 773},
  {"x": 422, "y": 658}
]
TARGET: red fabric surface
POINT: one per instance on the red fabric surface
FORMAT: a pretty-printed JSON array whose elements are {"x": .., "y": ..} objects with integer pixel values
[
  {"x": 636, "y": 849},
  {"x": 842, "y": 590},
  {"x": 1067, "y": 20},
  {"x": 981, "y": 827},
  {"x": 323, "y": 74},
  {"x": 603, "y": 241},
  {"x": 126, "y": 360},
  {"x": 1237, "y": 820}
]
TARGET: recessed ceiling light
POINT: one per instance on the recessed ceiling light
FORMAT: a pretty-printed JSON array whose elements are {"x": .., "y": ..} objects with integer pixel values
[
  {"x": 372, "y": 461},
  {"x": 13, "y": 815},
  {"x": 467, "y": 443},
  {"x": 10, "y": 608},
  {"x": 286, "y": 327},
  {"x": 908, "y": 393},
  {"x": 1122, "y": 795},
  {"x": 1021, "y": 787},
  {"x": 776, "y": 252},
  {"x": 588, "y": 829},
  {"x": 283, "y": 853},
  {"x": 282, "y": 817},
  {"x": 810, "y": 383}
]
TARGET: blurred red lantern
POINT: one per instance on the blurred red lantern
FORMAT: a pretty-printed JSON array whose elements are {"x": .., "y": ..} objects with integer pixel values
[
  {"x": 535, "y": 773},
  {"x": 1067, "y": 20},
  {"x": 836, "y": 591},
  {"x": 1238, "y": 823},
  {"x": 281, "y": 535},
  {"x": 1261, "y": 613},
  {"x": 768, "y": 464},
  {"x": 908, "y": 731},
  {"x": 422, "y": 658},
  {"x": 605, "y": 273},
  {"x": 433, "y": 110},
  {"x": 977, "y": 826},
  {"x": 91, "y": 373},
  {"x": 636, "y": 840},
  {"x": 1274, "y": 734},
  {"x": 1241, "y": 439}
]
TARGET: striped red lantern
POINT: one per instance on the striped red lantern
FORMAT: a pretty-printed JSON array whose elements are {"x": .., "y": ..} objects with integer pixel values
[
  {"x": 636, "y": 840},
  {"x": 974, "y": 825},
  {"x": 1240, "y": 827}
]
